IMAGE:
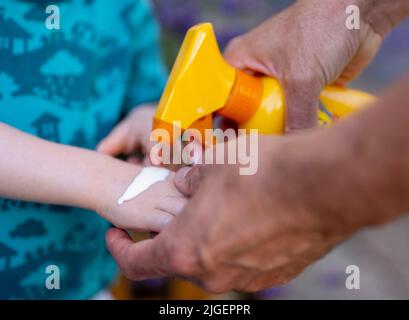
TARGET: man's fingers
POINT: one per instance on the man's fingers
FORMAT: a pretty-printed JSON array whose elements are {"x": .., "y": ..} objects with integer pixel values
[
  {"x": 119, "y": 244},
  {"x": 117, "y": 140},
  {"x": 302, "y": 100},
  {"x": 238, "y": 53},
  {"x": 137, "y": 260},
  {"x": 235, "y": 53},
  {"x": 188, "y": 179},
  {"x": 361, "y": 60}
]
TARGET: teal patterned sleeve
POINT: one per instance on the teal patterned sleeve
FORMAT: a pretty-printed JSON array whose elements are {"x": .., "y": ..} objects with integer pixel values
[{"x": 148, "y": 73}]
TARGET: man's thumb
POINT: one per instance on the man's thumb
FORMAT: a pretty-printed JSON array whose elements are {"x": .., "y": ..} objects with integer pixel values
[{"x": 187, "y": 179}]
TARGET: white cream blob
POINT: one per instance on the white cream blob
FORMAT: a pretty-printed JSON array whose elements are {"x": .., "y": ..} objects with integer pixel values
[{"x": 143, "y": 181}]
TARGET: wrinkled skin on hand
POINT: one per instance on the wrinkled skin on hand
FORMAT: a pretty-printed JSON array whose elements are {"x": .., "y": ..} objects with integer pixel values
[
  {"x": 224, "y": 240},
  {"x": 252, "y": 232},
  {"x": 306, "y": 47}
]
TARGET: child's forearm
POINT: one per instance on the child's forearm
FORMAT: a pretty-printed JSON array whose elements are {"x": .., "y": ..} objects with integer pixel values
[{"x": 32, "y": 169}]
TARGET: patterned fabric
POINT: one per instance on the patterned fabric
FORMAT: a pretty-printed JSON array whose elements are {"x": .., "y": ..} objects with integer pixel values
[{"x": 70, "y": 86}]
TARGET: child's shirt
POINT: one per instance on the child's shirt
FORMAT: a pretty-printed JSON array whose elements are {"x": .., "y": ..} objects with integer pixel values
[{"x": 69, "y": 85}]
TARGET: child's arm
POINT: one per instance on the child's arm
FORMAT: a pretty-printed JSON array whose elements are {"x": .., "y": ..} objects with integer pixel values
[{"x": 37, "y": 170}]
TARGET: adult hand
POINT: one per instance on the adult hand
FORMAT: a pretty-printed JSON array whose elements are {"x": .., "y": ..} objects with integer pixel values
[
  {"x": 306, "y": 47},
  {"x": 251, "y": 232},
  {"x": 241, "y": 232}
]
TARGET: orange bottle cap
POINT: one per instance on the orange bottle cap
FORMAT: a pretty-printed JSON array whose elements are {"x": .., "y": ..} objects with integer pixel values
[{"x": 244, "y": 98}]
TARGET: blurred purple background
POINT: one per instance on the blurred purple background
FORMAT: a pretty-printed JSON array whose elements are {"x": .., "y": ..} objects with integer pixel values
[{"x": 233, "y": 17}]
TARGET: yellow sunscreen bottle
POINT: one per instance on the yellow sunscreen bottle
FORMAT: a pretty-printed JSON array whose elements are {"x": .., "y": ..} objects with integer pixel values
[{"x": 203, "y": 84}]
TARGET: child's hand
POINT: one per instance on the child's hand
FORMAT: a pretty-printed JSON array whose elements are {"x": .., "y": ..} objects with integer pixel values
[
  {"x": 130, "y": 135},
  {"x": 149, "y": 211}
]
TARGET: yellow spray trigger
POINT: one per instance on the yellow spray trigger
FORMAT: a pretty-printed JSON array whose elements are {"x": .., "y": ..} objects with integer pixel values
[{"x": 202, "y": 83}]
